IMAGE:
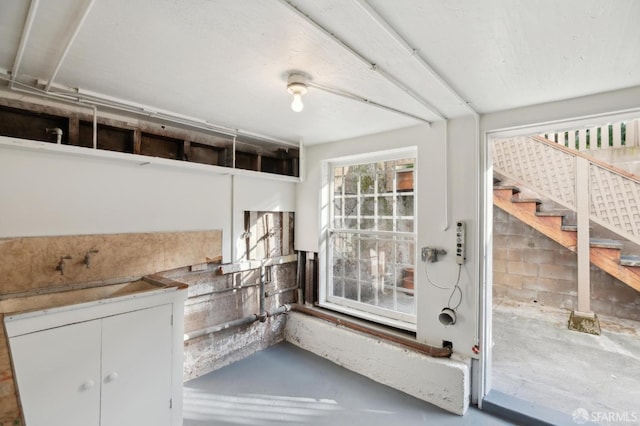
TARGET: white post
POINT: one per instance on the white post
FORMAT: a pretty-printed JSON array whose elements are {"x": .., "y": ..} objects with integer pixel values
[{"x": 582, "y": 208}]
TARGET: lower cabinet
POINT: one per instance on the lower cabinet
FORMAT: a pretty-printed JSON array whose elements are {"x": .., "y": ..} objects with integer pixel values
[{"x": 111, "y": 371}]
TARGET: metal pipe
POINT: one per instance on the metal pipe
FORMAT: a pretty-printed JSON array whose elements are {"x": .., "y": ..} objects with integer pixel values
[
  {"x": 281, "y": 310},
  {"x": 358, "y": 98},
  {"x": 26, "y": 32},
  {"x": 280, "y": 291},
  {"x": 95, "y": 127},
  {"x": 124, "y": 106},
  {"x": 226, "y": 290},
  {"x": 63, "y": 56},
  {"x": 420, "y": 347},
  {"x": 446, "y": 175},
  {"x": 372, "y": 66},
  {"x": 215, "y": 328},
  {"x": 263, "y": 272},
  {"x": 236, "y": 323}
]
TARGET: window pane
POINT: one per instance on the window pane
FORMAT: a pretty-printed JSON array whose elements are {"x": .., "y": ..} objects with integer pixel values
[
  {"x": 405, "y": 225},
  {"x": 367, "y": 225},
  {"x": 367, "y": 178},
  {"x": 385, "y": 225},
  {"x": 350, "y": 182},
  {"x": 370, "y": 257},
  {"x": 338, "y": 180},
  {"x": 367, "y": 206},
  {"x": 405, "y": 205},
  {"x": 350, "y": 207},
  {"x": 385, "y": 206}
]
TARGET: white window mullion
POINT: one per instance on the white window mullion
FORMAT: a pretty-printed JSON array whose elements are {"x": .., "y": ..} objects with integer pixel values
[{"x": 355, "y": 230}]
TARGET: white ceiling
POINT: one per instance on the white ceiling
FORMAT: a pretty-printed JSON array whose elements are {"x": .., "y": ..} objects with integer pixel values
[{"x": 227, "y": 61}]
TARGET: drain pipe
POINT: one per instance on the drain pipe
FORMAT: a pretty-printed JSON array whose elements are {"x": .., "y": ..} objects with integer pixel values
[
  {"x": 236, "y": 323},
  {"x": 280, "y": 291},
  {"x": 263, "y": 280},
  {"x": 56, "y": 131}
]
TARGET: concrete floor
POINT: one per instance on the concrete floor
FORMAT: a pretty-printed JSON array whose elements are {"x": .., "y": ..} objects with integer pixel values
[
  {"x": 536, "y": 358},
  {"x": 284, "y": 385}
]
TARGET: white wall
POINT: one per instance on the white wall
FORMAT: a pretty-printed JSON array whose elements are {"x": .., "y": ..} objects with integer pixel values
[
  {"x": 431, "y": 215},
  {"x": 43, "y": 192},
  {"x": 259, "y": 194},
  {"x": 464, "y": 154},
  {"x": 570, "y": 109}
]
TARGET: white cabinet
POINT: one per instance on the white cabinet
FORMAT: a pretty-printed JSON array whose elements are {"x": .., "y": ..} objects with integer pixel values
[
  {"x": 118, "y": 369},
  {"x": 136, "y": 368},
  {"x": 59, "y": 381}
]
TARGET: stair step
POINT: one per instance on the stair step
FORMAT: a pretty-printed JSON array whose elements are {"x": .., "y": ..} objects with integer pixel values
[
  {"x": 570, "y": 228},
  {"x": 526, "y": 200},
  {"x": 513, "y": 189},
  {"x": 629, "y": 260},
  {"x": 605, "y": 243},
  {"x": 552, "y": 213}
]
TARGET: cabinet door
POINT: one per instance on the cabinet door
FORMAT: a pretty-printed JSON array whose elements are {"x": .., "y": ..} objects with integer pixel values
[
  {"x": 136, "y": 368},
  {"x": 58, "y": 375}
]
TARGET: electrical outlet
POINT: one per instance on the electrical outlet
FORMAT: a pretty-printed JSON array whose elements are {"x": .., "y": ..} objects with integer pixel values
[
  {"x": 460, "y": 244},
  {"x": 425, "y": 253}
]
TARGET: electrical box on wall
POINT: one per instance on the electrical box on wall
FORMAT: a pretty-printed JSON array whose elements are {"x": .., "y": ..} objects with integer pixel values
[{"x": 460, "y": 244}]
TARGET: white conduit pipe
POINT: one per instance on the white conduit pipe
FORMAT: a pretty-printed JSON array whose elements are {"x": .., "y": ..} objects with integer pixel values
[
  {"x": 26, "y": 32},
  {"x": 357, "y": 55},
  {"x": 352, "y": 96},
  {"x": 69, "y": 43},
  {"x": 95, "y": 127},
  {"x": 235, "y": 323},
  {"x": 395, "y": 36},
  {"x": 77, "y": 98},
  {"x": 382, "y": 23}
]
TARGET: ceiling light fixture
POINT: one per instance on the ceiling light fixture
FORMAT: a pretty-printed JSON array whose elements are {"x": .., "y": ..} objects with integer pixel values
[{"x": 296, "y": 85}]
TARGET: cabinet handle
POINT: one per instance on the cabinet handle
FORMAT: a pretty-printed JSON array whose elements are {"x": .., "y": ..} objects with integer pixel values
[
  {"x": 111, "y": 377},
  {"x": 87, "y": 385}
]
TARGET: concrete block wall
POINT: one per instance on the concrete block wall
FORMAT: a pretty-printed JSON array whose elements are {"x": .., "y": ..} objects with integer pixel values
[{"x": 528, "y": 266}]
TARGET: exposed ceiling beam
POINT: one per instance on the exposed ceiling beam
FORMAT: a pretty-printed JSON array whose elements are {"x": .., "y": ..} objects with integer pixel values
[
  {"x": 24, "y": 38},
  {"x": 70, "y": 41},
  {"x": 370, "y": 65},
  {"x": 413, "y": 52}
]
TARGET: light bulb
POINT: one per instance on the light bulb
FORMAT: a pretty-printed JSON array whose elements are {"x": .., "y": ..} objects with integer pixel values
[{"x": 297, "y": 104}]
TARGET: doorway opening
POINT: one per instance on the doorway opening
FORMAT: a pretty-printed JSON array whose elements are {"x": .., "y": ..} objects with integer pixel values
[{"x": 585, "y": 370}]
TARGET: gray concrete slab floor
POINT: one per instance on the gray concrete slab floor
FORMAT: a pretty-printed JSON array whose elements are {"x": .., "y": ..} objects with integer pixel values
[
  {"x": 536, "y": 358},
  {"x": 285, "y": 385}
]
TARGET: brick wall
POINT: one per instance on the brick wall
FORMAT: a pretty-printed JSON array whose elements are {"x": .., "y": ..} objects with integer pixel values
[{"x": 528, "y": 266}]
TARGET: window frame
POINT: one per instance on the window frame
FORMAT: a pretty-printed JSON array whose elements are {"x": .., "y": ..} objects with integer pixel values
[{"x": 393, "y": 318}]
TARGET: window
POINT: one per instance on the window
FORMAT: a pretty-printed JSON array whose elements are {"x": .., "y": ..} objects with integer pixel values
[{"x": 369, "y": 242}]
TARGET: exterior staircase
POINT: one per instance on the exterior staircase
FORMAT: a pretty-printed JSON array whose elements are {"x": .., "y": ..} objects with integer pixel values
[{"x": 606, "y": 254}]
